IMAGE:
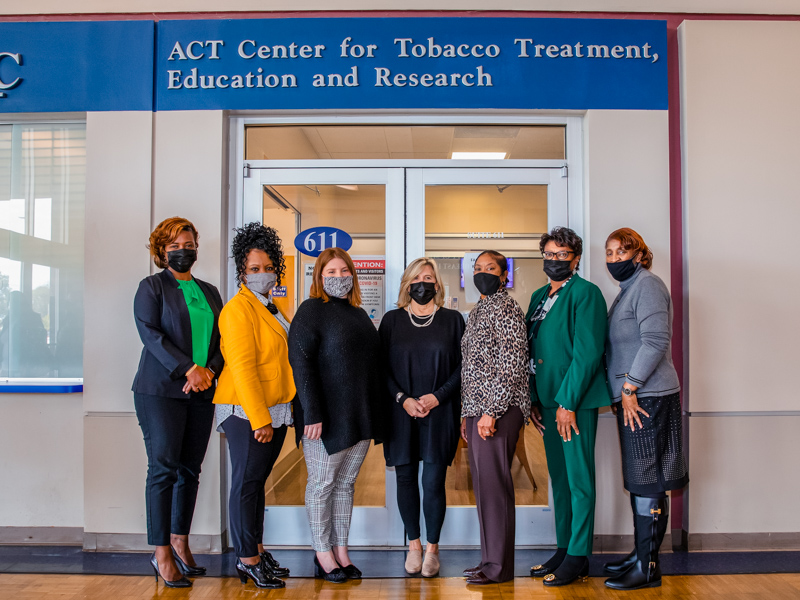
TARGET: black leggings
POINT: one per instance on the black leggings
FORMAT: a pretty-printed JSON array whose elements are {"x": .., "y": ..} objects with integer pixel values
[{"x": 434, "y": 502}]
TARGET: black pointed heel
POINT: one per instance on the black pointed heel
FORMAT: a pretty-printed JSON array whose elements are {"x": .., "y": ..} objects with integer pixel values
[
  {"x": 273, "y": 565},
  {"x": 178, "y": 583},
  {"x": 259, "y": 575},
  {"x": 187, "y": 570},
  {"x": 335, "y": 576}
]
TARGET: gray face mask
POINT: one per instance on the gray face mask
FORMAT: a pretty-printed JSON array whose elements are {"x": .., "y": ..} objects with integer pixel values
[
  {"x": 338, "y": 287},
  {"x": 261, "y": 283}
]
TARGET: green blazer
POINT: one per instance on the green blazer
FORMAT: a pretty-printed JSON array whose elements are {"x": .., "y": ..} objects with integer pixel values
[{"x": 569, "y": 348}]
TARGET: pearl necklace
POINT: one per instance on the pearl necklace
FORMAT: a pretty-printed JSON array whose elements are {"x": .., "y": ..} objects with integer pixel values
[{"x": 411, "y": 316}]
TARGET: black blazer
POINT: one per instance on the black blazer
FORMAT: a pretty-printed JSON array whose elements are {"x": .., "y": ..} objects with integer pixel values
[{"x": 162, "y": 319}]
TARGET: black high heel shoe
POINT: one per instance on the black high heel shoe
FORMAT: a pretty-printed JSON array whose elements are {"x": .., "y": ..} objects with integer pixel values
[
  {"x": 259, "y": 575},
  {"x": 570, "y": 572},
  {"x": 273, "y": 565},
  {"x": 336, "y": 576},
  {"x": 187, "y": 570},
  {"x": 178, "y": 583}
]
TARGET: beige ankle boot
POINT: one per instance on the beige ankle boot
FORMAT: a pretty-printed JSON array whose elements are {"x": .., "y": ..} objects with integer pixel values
[
  {"x": 430, "y": 567},
  {"x": 414, "y": 562}
]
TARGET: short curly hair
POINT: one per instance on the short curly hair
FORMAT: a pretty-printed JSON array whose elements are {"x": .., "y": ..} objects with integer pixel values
[
  {"x": 254, "y": 236},
  {"x": 164, "y": 233},
  {"x": 563, "y": 236}
]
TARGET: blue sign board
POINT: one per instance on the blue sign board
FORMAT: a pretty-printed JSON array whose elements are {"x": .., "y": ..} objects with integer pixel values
[
  {"x": 76, "y": 66},
  {"x": 312, "y": 242},
  {"x": 408, "y": 63},
  {"x": 336, "y": 63}
]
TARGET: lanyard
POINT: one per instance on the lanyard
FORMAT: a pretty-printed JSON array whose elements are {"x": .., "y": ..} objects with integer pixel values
[{"x": 538, "y": 317}]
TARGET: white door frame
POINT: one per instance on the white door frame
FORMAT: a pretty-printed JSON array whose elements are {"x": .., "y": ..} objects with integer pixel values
[{"x": 404, "y": 211}]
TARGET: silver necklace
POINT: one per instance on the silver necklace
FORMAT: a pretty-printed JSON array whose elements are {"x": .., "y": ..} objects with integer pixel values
[{"x": 411, "y": 316}]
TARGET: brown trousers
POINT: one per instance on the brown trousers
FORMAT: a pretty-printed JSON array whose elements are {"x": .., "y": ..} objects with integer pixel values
[{"x": 490, "y": 463}]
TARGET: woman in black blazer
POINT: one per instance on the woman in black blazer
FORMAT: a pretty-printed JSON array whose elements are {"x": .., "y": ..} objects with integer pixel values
[{"x": 176, "y": 316}]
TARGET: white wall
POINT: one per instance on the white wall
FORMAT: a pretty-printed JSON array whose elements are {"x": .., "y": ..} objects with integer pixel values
[
  {"x": 645, "y": 6},
  {"x": 118, "y": 191},
  {"x": 190, "y": 157},
  {"x": 626, "y": 184},
  {"x": 142, "y": 168},
  {"x": 41, "y": 460},
  {"x": 740, "y": 86}
]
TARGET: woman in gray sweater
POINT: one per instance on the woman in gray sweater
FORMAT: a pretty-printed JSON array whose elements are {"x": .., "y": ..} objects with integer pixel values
[{"x": 646, "y": 393}]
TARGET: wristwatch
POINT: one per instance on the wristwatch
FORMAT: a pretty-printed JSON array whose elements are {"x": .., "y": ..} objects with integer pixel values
[{"x": 628, "y": 391}]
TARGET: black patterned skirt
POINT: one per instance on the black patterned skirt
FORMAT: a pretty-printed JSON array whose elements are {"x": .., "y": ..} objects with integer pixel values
[{"x": 652, "y": 458}]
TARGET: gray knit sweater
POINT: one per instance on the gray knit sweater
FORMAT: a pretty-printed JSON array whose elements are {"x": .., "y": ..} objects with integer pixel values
[{"x": 638, "y": 348}]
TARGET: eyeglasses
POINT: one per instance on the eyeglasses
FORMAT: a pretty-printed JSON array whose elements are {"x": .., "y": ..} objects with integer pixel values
[{"x": 560, "y": 255}]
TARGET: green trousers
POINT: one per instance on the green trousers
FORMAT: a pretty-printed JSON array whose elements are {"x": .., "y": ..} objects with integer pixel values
[{"x": 571, "y": 467}]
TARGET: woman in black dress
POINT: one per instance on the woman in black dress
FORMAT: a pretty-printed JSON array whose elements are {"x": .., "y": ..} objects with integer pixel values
[{"x": 421, "y": 343}]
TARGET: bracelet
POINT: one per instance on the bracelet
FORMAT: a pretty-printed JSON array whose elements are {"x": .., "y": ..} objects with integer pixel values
[
  {"x": 566, "y": 409},
  {"x": 190, "y": 370}
]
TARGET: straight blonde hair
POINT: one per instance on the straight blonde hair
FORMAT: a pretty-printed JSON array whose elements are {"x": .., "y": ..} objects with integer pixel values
[{"x": 414, "y": 269}]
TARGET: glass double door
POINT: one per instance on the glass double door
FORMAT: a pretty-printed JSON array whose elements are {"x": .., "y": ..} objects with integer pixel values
[{"x": 394, "y": 215}]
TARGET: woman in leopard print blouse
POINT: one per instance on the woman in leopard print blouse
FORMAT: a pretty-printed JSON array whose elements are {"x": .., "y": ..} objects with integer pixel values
[{"x": 495, "y": 404}]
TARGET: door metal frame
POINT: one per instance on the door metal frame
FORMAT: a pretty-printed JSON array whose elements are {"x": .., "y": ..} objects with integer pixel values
[{"x": 405, "y": 238}]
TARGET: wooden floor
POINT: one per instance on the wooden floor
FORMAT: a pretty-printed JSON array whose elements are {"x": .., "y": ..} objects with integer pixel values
[{"x": 96, "y": 587}]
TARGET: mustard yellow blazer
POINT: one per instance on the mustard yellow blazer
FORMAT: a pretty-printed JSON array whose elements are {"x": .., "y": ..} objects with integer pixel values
[{"x": 257, "y": 374}]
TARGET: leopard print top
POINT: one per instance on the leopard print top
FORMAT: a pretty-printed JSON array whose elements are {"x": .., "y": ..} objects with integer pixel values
[{"x": 494, "y": 351}]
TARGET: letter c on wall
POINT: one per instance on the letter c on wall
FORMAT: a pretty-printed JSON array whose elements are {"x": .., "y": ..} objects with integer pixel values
[{"x": 17, "y": 58}]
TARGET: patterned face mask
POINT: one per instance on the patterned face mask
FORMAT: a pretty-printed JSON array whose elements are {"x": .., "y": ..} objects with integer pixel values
[{"x": 337, "y": 287}]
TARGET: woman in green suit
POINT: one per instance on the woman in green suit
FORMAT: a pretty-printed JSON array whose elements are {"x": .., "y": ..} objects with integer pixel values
[{"x": 567, "y": 324}]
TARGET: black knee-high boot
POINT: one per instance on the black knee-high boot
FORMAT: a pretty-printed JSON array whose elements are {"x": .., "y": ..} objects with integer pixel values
[
  {"x": 651, "y": 526},
  {"x": 620, "y": 566}
]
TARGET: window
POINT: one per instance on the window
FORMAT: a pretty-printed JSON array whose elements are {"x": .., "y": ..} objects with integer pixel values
[{"x": 42, "y": 190}]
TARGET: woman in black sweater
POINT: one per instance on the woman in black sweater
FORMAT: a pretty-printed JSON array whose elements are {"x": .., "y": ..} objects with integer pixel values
[
  {"x": 334, "y": 351},
  {"x": 422, "y": 358}
]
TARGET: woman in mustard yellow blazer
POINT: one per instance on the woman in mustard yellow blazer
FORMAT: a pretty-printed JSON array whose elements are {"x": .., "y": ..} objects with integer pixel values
[{"x": 254, "y": 395}]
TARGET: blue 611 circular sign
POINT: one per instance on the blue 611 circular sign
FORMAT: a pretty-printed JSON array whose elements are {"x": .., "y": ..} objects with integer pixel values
[{"x": 312, "y": 242}]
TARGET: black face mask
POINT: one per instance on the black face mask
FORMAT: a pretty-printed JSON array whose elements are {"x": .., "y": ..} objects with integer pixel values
[
  {"x": 622, "y": 270},
  {"x": 422, "y": 292},
  {"x": 486, "y": 283},
  {"x": 181, "y": 260},
  {"x": 557, "y": 270}
]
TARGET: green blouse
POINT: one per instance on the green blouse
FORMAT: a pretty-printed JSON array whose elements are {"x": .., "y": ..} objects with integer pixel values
[{"x": 201, "y": 318}]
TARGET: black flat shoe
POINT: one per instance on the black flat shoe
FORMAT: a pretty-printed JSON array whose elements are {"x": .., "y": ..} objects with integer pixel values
[
  {"x": 178, "y": 583},
  {"x": 259, "y": 575},
  {"x": 551, "y": 565},
  {"x": 335, "y": 576},
  {"x": 273, "y": 565},
  {"x": 569, "y": 573},
  {"x": 352, "y": 571},
  {"x": 195, "y": 571}
]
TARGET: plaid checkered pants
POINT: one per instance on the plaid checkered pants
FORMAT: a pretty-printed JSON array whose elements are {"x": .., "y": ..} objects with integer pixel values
[{"x": 330, "y": 490}]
